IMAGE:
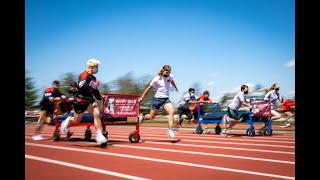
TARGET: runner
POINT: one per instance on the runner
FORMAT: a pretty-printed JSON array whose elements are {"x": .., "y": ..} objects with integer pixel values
[
  {"x": 85, "y": 100},
  {"x": 47, "y": 108},
  {"x": 184, "y": 106},
  {"x": 161, "y": 98},
  {"x": 233, "y": 115}
]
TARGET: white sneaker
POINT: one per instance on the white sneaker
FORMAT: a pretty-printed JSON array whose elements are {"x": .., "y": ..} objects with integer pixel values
[
  {"x": 171, "y": 134},
  {"x": 206, "y": 131},
  {"x": 224, "y": 134},
  {"x": 100, "y": 138},
  {"x": 37, "y": 137},
  {"x": 140, "y": 118},
  {"x": 285, "y": 126},
  {"x": 64, "y": 125}
]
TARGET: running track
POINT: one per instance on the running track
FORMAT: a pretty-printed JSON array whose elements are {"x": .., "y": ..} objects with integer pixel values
[{"x": 196, "y": 156}]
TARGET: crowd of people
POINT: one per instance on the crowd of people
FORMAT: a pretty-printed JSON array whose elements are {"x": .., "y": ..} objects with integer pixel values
[{"x": 84, "y": 93}]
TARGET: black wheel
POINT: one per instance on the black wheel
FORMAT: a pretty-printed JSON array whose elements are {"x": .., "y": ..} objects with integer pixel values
[
  {"x": 265, "y": 132},
  {"x": 252, "y": 133},
  {"x": 56, "y": 136},
  {"x": 69, "y": 134},
  {"x": 199, "y": 130},
  {"x": 87, "y": 134},
  {"x": 132, "y": 139},
  {"x": 218, "y": 129}
]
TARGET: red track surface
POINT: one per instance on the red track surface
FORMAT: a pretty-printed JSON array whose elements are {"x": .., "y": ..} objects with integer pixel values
[{"x": 195, "y": 156}]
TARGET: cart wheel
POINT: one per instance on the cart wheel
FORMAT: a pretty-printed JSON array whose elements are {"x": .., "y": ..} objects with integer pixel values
[
  {"x": 199, "y": 130},
  {"x": 56, "y": 136},
  {"x": 87, "y": 134},
  {"x": 252, "y": 133},
  {"x": 218, "y": 129},
  {"x": 105, "y": 135},
  {"x": 265, "y": 132},
  {"x": 69, "y": 134},
  {"x": 132, "y": 139}
]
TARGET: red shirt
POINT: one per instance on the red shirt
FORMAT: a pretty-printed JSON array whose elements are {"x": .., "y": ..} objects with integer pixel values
[
  {"x": 287, "y": 104},
  {"x": 201, "y": 98}
]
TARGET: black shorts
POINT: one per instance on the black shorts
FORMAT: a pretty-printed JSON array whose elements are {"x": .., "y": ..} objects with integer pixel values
[
  {"x": 183, "y": 111},
  {"x": 49, "y": 108},
  {"x": 81, "y": 107}
]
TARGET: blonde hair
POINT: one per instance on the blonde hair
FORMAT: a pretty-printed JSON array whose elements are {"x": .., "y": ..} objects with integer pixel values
[
  {"x": 271, "y": 88},
  {"x": 164, "y": 68},
  {"x": 93, "y": 62}
]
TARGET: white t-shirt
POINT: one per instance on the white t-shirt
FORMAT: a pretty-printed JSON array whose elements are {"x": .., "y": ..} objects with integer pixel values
[
  {"x": 272, "y": 96},
  {"x": 162, "y": 85},
  {"x": 184, "y": 104},
  {"x": 237, "y": 101}
]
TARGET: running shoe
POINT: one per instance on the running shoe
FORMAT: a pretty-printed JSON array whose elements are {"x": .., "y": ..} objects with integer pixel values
[
  {"x": 286, "y": 126},
  {"x": 37, "y": 137},
  {"x": 64, "y": 125},
  {"x": 140, "y": 118},
  {"x": 100, "y": 138},
  {"x": 171, "y": 134}
]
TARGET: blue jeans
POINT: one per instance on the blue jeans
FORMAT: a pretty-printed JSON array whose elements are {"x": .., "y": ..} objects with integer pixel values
[{"x": 158, "y": 102}]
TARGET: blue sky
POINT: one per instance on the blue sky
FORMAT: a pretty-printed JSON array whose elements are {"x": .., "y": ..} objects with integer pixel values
[{"x": 219, "y": 43}]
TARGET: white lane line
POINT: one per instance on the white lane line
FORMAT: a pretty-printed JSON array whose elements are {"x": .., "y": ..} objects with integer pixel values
[
  {"x": 86, "y": 168},
  {"x": 210, "y": 138},
  {"x": 160, "y": 160},
  {"x": 204, "y": 153},
  {"x": 205, "y": 136},
  {"x": 198, "y": 145},
  {"x": 218, "y": 142},
  {"x": 220, "y": 147}
]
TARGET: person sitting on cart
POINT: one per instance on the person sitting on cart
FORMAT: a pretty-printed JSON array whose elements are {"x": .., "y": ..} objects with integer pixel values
[
  {"x": 85, "y": 100},
  {"x": 203, "y": 98},
  {"x": 51, "y": 95},
  {"x": 184, "y": 106},
  {"x": 233, "y": 115},
  {"x": 161, "y": 83}
]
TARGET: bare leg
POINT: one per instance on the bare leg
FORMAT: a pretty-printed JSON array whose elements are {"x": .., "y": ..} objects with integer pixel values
[
  {"x": 286, "y": 121},
  {"x": 41, "y": 122},
  {"x": 275, "y": 115},
  {"x": 94, "y": 109},
  {"x": 170, "y": 110},
  {"x": 151, "y": 115},
  {"x": 96, "y": 115}
]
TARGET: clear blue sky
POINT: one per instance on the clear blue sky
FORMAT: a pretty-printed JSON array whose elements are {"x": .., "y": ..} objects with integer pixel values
[{"x": 219, "y": 43}]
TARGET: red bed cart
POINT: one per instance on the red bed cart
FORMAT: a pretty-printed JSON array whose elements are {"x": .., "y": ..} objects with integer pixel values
[{"x": 117, "y": 108}]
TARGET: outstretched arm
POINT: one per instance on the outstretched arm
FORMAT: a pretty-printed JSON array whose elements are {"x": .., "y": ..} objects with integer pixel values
[
  {"x": 246, "y": 104},
  {"x": 174, "y": 85},
  {"x": 145, "y": 93}
]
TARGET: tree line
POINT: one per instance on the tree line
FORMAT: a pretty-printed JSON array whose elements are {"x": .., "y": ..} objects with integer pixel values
[{"x": 126, "y": 84}]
